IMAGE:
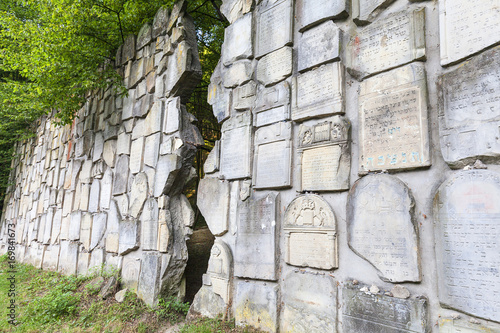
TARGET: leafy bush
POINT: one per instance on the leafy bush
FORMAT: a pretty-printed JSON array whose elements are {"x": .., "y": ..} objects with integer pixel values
[{"x": 171, "y": 308}]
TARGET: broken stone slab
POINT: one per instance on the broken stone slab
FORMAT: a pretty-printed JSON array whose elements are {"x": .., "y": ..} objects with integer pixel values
[
  {"x": 212, "y": 163},
  {"x": 167, "y": 168},
  {"x": 256, "y": 304},
  {"x": 236, "y": 147},
  {"x": 382, "y": 228},
  {"x": 128, "y": 49},
  {"x": 109, "y": 288},
  {"x": 238, "y": 40},
  {"x": 207, "y": 304},
  {"x": 239, "y": 73},
  {"x": 149, "y": 225},
  {"x": 144, "y": 36},
  {"x": 234, "y": 9},
  {"x": 120, "y": 296},
  {"x": 98, "y": 230},
  {"x": 272, "y": 104},
  {"x": 213, "y": 203},
  {"x": 365, "y": 11},
  {"x": 95, "y": 191},
  {"x": 121, "y": 175},
  {"x": 244, "y": 96},
  {"x": 106, "y": 189},
  {"x": 131, "y": 268},
  {"x": 109, "y": 153},
  {"x": 138, "y": 194},
  {"x": 149, "y": 278},
  {"x": 129, "y": 236},
  {"x": 313, "y": 12}
]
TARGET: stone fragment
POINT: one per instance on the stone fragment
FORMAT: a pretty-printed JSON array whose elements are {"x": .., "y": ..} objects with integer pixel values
[
  {"x": 255, "y": 253},
  {"x": 153, "y": 121},
  {"x": 310, "y": 230},
  {"x": 177, "y": 12},
  {"x": 273, "y": 26},
  {"x": 144, "y": 36},
  {"x": 312, "y": 12},
  {"x": 86, "y": 230},
  {"x": 213, "y": 203},
  {"x": 106, "y": 188},
  {"x": 138, "y": 194},
  {"x": 476, "y": 25},
  {"x": 310, "y": 303},
  {"x": 109, "y": 153},
  {"x": 318, "y": 92},
  {"x": 51, "y": 258},
  {"x": 120, "y": 296},
  {"x": 382, "y": 228},
  {"x": 363, "y": 312},
  {"x": 68, "y": 258},
  {"x": 365, "y": 11},
  {"x": 129, "y": 236},
  {"x": 128, "y": 50},
  {"x": 121, "y": 175},
  {"x": 468, "y": 115},
  {"x": 212, "y": 163},
  {"x": 172, "y": 120},
  {"x": 149, "y": 225},
  {"x": 149, "y": 278},
  {"x": 319, "y": 45},
  {"x": 236, "y": 147},
  {"x": 98, "y": 230},
  {"x": 273, "y": 156},
  {"x": 467, "y": 236},
  {"x": 152, "y": 149},
  {"x": 207, "y": 304},
  {"x": 95, "y": 191},
  {"x": 238, "y": 40},
  {"x": 98, "y": 146},
  {"x": 137, "y": 155},
  {"x": 400, "y": 291},
  {"x": 240, "y": 72},
  {"x": 325, "y": 155},
  {"x": 109, "y": 288},
  {"x": 219, "y": 97},
  {"x": 74, "y": 226},
  {"x": 393, "y": 115},
  {"x": 166, "y": 172},
  {"x": 123, "y": 143},
  {"x": 275, "y": 66},
  {"x": 256, "y": 305},
  {"x": 244, "y": 96},
  {"x": 370, "y": 50},
  {"x": 234, "y": 9}
]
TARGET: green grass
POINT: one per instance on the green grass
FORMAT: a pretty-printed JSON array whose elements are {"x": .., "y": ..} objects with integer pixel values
[{"x": 50, "y": 302}]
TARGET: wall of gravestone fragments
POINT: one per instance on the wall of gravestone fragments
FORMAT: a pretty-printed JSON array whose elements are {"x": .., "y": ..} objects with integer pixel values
[
  {"x": 356, "y": 185},
  {"x": 107, "y": 190}
]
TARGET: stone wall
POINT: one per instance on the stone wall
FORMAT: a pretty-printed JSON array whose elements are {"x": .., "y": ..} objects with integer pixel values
[
  {"x": 106, "y": 190},
  {"x": 356, "y": 186}
]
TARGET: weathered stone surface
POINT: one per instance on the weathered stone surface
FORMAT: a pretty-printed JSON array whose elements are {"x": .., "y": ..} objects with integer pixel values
[
  {"x": 240, "y": 72},
  {"x": 370, "y": 51},
  {"x": 56, "y": 227},
  {"x": 273, "y": 156},
  {"x": 138, "y": 194},
  {"x": 466, "y": 28},
  {"x": 273, "y": 26},
  {"x": 149, "y": 278},
  {"x": 255, "y": 254},
  {"x": 365, "y": 11},
  {"x": 121, "y": 175},
  {"x": 98, "y": 146},
  {"x": 152, "y": 150},
  {"x": 144, "y": 36},
  {"x": 95, "y": 192},
  {"x": 177, "y": 12},
  {"x": 171, "y": 123},
  {"x": 98, "y": 229},
  {"x": 129, "y": 236},
  {"x": 393, "y": 116},
  {"x": 137, "y": 155},
  {"x": 324, "y": 155},
  {"x": 467, "y": 227},
  {"x": 86, "y": 230},
  {"x": 312, "y": 12},
  {"x": 382, "y": 228},
  {"x": 68, "y": 258},
  {"x": 106, "y": 189},
  {"x": 236, "y": 144},
  {"x": 362, "y": 312},
  {"x": 238, "y": 43},
  {"x": 131, "y": 268},
  {"x": 160, "y": 22},
  {"x": 244, "y": 96},
  {"x": 74, "y": 226},
  {"x": 219, "y": 97},
  {"x": 212, "y": 163},
  {"x": 213, "y": 203},
  {"x": 256, "y": 305},
  {"x": 319, "y": 45},
  {"x": 234, "y": 9},
  {"x": 219, "y": 272},
  {"x": 128, "y": 51},
  {"x": 184, "y": 70},
  {"x": 109, "y": 153},
  {"x": 310, "y": 233},
  {"x": 123, "y": 143},
  {"x": 51, "y": 258},
  {"x": 166, "y": 171},
  {"x": 310, "y": 303},
  {"x": 207, "y": 304},
  {"x": 462, "y": 325},
  {"x": 468, "y": 117},
  {"x": 272, "y": 104},
  {"x": 319, "y": 92},
  {"x": 149, "y": 225},
  {"x": 275, "y": 66}
]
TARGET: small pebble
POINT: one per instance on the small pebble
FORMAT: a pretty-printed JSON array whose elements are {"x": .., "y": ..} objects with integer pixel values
[{"x": 374, "y": 289}]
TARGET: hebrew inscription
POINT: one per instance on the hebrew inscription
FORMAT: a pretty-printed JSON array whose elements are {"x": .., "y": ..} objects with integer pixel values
[
  {"x": 274, "y": 26},
  {"x": 236, "y": 146}
]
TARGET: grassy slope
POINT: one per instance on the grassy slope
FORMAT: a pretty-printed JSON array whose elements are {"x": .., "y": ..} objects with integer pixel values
[{"x": 49, "y": 302}]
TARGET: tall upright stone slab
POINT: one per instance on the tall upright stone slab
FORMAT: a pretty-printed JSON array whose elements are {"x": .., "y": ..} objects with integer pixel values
[
  {"x": 273, "y": 156},
  {"x": 362, "y": 312},
  {"x": 312, "y": 12},
  {"x": 98, "y": 230},
  {"x": 274, "y": 26},
  {"x": 310, "y": 303},
  {"x": 220, "y": 270},
  {"x": 138, "y": 194},
  {"x": 256, "y": 253},
  {"x": 149, "y": 278},
  {"x": 319, "y": 45},
  {"x": 121, "y": 175},
  {"x": 318, "y": 92},
  {"x": 149, "y": 225},
  {"x": 256, "y": 305},
  {"x": 467, "y": 27},
  {"x": 310, "y": 233},
  {"x": 467, "y": 235},
  {"x": 393, "y": 117},
  {"x": 324, "y": 155},
  {"x": 236, "y": 144},
  {"x": 131, "y": 268},
  {"x": 371, "y": 52},
  {"x": 213, "y": 203},
  {"x": 468, "y": 114},
  {"x": 365, "y": 11},
  {"x": 382, "y": 228}
]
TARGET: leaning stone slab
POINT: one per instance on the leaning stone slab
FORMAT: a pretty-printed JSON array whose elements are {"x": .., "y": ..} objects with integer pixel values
[
  {"x": 213, "y": 203},
  {"x": 365, "y": 11},
  {"x": 370, "y": 52},
  {"x": 273, "y": 26},
  {"x": 313, "y": 12},
  {"x": 310, "y": 303},
  {"x": 184, "y": 70},
  {"x": 393, "y": 131},
  {"x": 467, "y": 236},
  {"x": 318, "y": 92},
  {"x": 467, "y": 27},
  {"x": 167, "y": 168},
  {"x": 256, "y": 304},
  {"x": 149, "y": 278},
  {"x": 236, "y": 144},
  {"x": 256, "y": 253},
  {"x": 362, "y": 312},
  {"x": 468, "y": 115},
  {"x": 319, "y": 45},
  {"x": 382, "y": 228},
  {"x": 238, "y": 40}
]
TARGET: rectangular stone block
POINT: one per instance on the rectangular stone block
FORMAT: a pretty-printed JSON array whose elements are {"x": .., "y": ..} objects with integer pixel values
[
  {"x": 244, "y": 96},
  {"x": 318, "y": 92},
  {"x": 466, "y": 27},
  {"x": 273, "y": 156},
  {"x": 468, "y": 111},
  {"x": 256, "y": 304},
  {"x": 272, "y": 104},
  {"x": 255, "y": 254},
  {"x": 238, "y": 40},
  {"x": 363, "y": 312},
  {"x": 312, "y": 12},
  {"x": 274, "y": 26},
  {"x": 275, "y": 66},
  {"x": 172, "y": 116},
  {"x": 370, "y": 50},
  {"x": 149, "y": 225},
  {"x": 152, "y": 150},
  {"x": 236, "y": 144},
  {"x": 393, "y": 118},
  {"x": 319, "y": 45},
  {"x": 137, "y": 155}
]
